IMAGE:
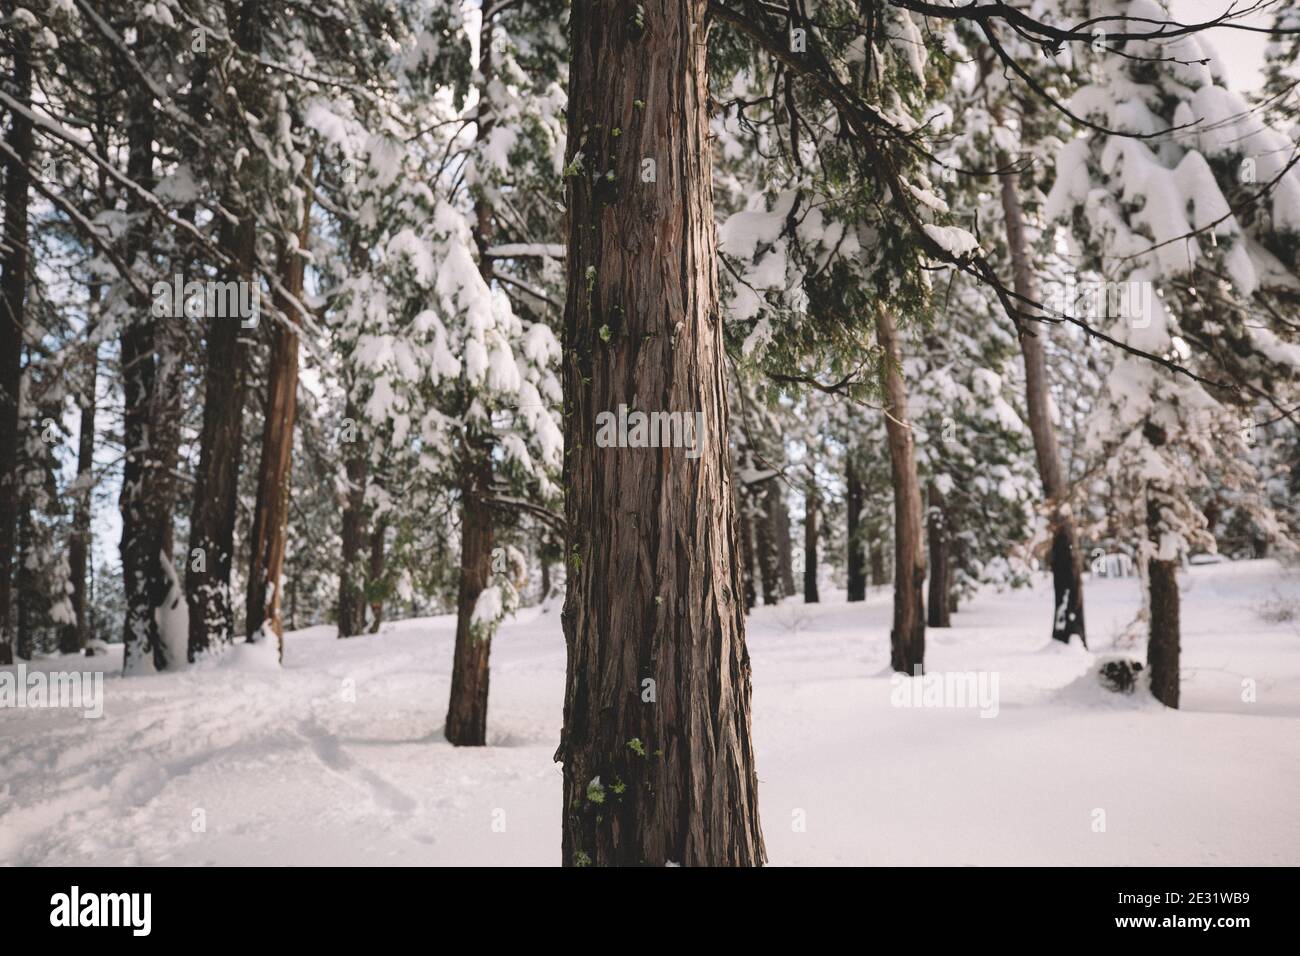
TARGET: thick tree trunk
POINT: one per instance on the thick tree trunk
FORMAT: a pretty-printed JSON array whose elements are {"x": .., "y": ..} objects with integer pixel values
[
  {"x": 74, "y": 636},
  {"x": 467, "y": 710},
  {"x": 1067, "y": 562},
  {"x": 907, "y": 639},
  {"x": 376, "y": 575},
  {"x": 940, "y": 604},
  {"x": 13, "y": 293},
  {"x": 857, "y": 583},
  {"x": 352, "y": 598},
  {"x": 658, "y": 761},
  {"x": 271, "y": 513},
  {"x": 812, "y": 502}
]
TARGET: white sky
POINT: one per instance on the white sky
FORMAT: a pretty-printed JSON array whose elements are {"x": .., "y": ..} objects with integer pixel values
[{"x": 1241, "y": 51}]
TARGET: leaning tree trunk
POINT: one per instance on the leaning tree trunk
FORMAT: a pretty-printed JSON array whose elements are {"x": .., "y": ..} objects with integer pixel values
[
  {"x": 1067, "y": 562},
  {"x": 907, "y": 639},
  {"x": 271, "y": 513},
  {"x": 812, "y": 503},
  {"x": 13, "y": 292},
  {"x": 940, "y": 573},
  {"x": 658, "y": 760},
  {"x": 857, "y": 583},
  {"x": 74, "y": 635},
  {"x": 467, "y": 709}
]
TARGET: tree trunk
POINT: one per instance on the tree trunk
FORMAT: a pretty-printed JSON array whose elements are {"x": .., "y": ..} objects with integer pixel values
[
  {"x": 1163, "y": 642},
  {"x": 940, "y": 576},
  {"x": 271, "y": 513},
  {"x": 467, "y": 710},
  {"x": 1067, "y": 562},
  {"x": 658, "y": 761},
  {"x": 13, "y": 293},
  {"x": 352, "y": 598},
  {"x": 784, "y": 541},
  {"x": 765, "y": 544},
  {"x": 811, "y": 504},
  {"x": 907, "y": 639},
  {"x": 857, "y": 584},
  {"x": 746, "y": 534},
  {"x": 374, "y": 582},
  {"x": 74, "y": 636},
  {"x": 879, "y": 570}
]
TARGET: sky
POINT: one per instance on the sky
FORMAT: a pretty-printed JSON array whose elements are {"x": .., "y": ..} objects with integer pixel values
[{"x": 1241, "y": 50}]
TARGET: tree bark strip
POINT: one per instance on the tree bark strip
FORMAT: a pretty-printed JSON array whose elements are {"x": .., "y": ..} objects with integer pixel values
[
  {"x": 812, "y": 502},
  {"x": 939, "y": 602},
  {"x": 857, "y": 582}
]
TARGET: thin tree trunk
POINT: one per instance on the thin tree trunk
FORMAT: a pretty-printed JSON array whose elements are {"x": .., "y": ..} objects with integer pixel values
[
  {"x": 879, "y": 570},
  {"x": 1163, "y": 642},
  {"x": 374, "y": 581},
  {"x": 75, "y": 635},
  {"x": 907, "y": 639},
  {"x": 658, "y": 760},
  {"x": 857, "y": 583},
  {"x": 940, "y": 574},
  {"x": 352, "y": 599},
  {"x": 271, "y": 513},
  {"x": 812, "y": 503},
  {"x": 1067, "y": 562},
  {"x": 13, "y": 293},
  {"x": 467, "y": 709},
  {"x": 766, "y": 546},
  {"x": 784, "y": 540}
]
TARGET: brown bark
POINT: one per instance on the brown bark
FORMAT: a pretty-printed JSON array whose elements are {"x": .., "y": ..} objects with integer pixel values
[
  {"x": 812, "y": 502},
  {"x": 467, "y": 709},
  {"x": 857, "y": 583},
  {"x": 940, "y": 602},
  {"x": 13, "y": 293},
  {"x": 907, "y": 639},
  {"x": 1067, "y": 561},
  {"x": 271, "y": 513},
  {"x": 653, "y": 772}
]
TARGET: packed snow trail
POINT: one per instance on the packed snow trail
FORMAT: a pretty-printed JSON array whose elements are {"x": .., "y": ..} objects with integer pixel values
[{"x": 338, "y": 758}]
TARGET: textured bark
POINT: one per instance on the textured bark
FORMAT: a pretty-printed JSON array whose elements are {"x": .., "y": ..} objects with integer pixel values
[
  {"x": 653, "y": 772},
  {"x": 939, "y": 602},
  {"x": 216, "y": 479},
  {"x": 812, "y": 503},
  {"x": 74, "y": 636},
  {"x": 271, "y": 513},
  {"x": 1067, "y": 561},
  {"x": 13, "y": 293},
  {"x": 907, "y": 639},
  {"x": 857, "y": 583},
  {"x": 467, "y": 710}
]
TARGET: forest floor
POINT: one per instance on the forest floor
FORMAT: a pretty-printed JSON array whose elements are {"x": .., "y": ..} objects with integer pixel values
[{"x": 339, "y": 758}]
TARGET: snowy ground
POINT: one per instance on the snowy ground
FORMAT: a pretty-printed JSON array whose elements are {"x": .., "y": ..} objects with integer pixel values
[{"x": 280, "y": 766}]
